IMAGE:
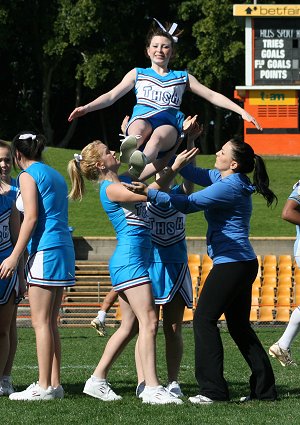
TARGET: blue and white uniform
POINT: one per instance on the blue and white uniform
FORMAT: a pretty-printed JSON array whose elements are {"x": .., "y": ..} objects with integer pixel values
[
  {"x": 129, "y": 263},
  {"x": 6, "y": 248},
  {"x": 51, "y": 259},
  {"x": 295, "y": 196},
  {"x": 168, "y": 269},
  {"x": 159, "y": 97}
]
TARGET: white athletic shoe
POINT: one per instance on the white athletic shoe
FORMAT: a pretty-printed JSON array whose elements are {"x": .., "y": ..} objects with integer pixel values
[
  {"x": 159, "y": 395},
  {"x": 283, "y": 356},
  {"x": 99, "y": 326},
  {"x": 137, "y": 162},
  {"x": 128, "y": 146},
  {"x": 33, "y": 393},
  {"x": 174, "y": 389},
  {"x": 59, "y": 392},
  {"x": 200, "y": 399},
  {"x": 6, "y": 387},
  {"x": 139, "y": 389},
  {"x": 100, "y": 389},
  {"x": 246, "y": 398}
]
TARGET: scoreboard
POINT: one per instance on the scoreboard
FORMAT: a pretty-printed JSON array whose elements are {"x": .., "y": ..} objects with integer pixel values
[
  {"x": 272, "y": 76},
  {"x": 276, "y": 51}
]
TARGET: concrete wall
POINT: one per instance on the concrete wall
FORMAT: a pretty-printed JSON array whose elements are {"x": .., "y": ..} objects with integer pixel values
[{"x": 101, "y": 249}]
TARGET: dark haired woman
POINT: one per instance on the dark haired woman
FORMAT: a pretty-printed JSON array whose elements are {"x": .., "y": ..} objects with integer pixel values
[
  {"x": 227, "y": 205},
  {"x": 51, "y": 262},
  {"x": 156, "y": 120}
]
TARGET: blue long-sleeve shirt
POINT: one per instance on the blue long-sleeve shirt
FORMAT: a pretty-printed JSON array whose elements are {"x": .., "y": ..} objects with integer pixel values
[{"x": 227, "y": 207}]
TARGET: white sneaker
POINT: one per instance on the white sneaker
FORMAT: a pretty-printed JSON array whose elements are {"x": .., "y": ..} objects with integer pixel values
[
  {"x": 158, "y": 395},
  {"x": 283, "y": 356},
  {"x": 34, "y": 392},
  {"x": 59, "y": 392},
  {"x": 245, "y": 399},
  {"x": 100, "y": 389},
  {"x": 200, "y": 399},
  {"x": 174, "y": 389},
  {"x": 99, "y": 326},
  {"x": 6, "y": 387},
  {"x": 139, "y": 389},
  {"x": 137, "y": 162},
  {"x": 128, "y": 146}
]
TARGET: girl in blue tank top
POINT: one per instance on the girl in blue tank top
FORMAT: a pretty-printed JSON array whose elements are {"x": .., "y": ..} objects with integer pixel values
[
  {"x": 156, "y": 121},
  {"x": 128, "y": 270}
]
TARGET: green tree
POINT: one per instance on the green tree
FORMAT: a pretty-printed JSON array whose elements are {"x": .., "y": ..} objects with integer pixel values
[{"x": 218, "y": 61}]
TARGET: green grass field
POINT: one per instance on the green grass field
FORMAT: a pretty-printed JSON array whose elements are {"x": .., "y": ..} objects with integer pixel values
[
  {"x": 89, "y": 219},
  {"x": 82, "y": 349}
]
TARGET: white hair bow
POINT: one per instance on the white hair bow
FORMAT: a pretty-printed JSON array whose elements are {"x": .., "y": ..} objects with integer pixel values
[
  {"x": 27, "y": 136},
  {"x": 77, "y": 157},
  {"x": 171, "y": 30}
]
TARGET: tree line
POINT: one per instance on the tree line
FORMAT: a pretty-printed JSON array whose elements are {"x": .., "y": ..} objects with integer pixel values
[{"x": 59, "y": 54}]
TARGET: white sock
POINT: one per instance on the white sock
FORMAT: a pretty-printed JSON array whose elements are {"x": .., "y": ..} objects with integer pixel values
[
  {"x": 95, "y": 379},
  {"x": 101, "y": 315},
  {"x": 291, "y": 331}
]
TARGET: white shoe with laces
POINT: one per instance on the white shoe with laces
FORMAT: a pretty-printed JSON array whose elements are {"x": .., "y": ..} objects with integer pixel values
[
  {"x": 159, "y": 395},
  {"x": 128, "y": 146},
  {"x": 6, "y": 387},
  {"x": 283, "y": 356},
  {"x": 174, "y": 389},
  {"x": 201, "y": 399},
  {"x": 100, "y": 389},
  {"x": 99, "y": 326},
  {"x": 137, "y": 163},
  {"x": 34, "y": 393}
]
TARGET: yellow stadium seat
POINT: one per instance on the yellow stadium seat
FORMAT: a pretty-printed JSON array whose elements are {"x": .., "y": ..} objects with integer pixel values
[
  {"x": 283, "y": 314},
  {"x": 285, "y": 269},
  {"x": 266, "y": 314},
  {"x": 270, "y": 259},
  {"x": 267, "y": 300},
  {"x": 285, "y": 259},
  {"x": 283, "y": 301},
  {"x": 194, "y": 259},
  {"x": 284, "y": 281},
  {"x": 267, "y": 290},
  {"x": 194, "y": 270},
  {"x": 188, "y": 315},
  {"x": 256, "y": 283},
  {"x": 284, "y": 290},
  {"x": 206, "y": 259},
  {"x": 269, "y": 281},
  {"x": 205, "y": 268},
  {"x": 253, "y": 314},
  {"x": 255, "y": 291}
]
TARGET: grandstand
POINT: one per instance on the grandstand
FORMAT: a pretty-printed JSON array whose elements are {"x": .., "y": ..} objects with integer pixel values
[{"x": 275, "y": 292}]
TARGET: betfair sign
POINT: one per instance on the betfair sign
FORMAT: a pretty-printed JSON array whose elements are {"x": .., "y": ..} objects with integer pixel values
[{"x": 267, "y": 10}]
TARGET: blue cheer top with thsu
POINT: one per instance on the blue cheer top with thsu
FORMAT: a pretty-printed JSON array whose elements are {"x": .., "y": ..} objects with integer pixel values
[
  {"x": 130, "y": 220},
  {"x": 156, "y": 93}
]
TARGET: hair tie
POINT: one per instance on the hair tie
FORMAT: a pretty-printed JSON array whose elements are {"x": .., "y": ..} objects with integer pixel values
[
  {"x": 77, "y": 157},
  {"x": 171, "y": 30},
  {"x": 27, "y": 136}
]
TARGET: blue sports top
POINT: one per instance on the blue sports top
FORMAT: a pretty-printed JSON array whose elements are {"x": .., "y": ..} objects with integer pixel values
[
  {"x": 295, "y": 196},
  {"x": 227, "y": 206},
  {"x": 52, "y": 225},
  {"x": 130, "y": 220},
  {"x": 167, "y": 232}
]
